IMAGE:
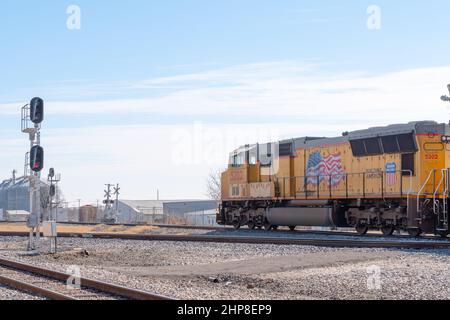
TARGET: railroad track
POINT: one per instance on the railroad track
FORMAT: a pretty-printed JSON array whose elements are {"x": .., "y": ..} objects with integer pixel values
[
  {"x": 52, "y": 284},
  {"x": 338, "y": 232},
  {"x": 360, "y": 242}
]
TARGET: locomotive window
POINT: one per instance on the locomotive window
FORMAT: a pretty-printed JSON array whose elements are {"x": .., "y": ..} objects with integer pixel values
[
  {"x": 406, "y": 143},
  {"x": 372, "y": 146},
  {"x": 358, "y": 148},
  {"x": 390, "y": 144},
  {"x": 237, "y": 160},
  {"x": 253, "y": 155},
  {"x": 408, "y": 164},
  {"x": 265, "y": 155}
]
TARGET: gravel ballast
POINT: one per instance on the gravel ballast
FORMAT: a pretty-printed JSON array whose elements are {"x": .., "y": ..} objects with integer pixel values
[
  {"x": 9, "y": 294},
  {"x": 243, "y": 271}
]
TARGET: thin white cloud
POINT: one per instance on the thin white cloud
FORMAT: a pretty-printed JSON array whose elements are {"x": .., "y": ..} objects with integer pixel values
[{"x": 274, "y": 89}]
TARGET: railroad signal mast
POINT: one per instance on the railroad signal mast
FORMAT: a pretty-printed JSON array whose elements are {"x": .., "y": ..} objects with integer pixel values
[
  {"x": 111, "y": 206},
  {"x": 54, "y": 202},
  {"x": 32, "y": 117}
]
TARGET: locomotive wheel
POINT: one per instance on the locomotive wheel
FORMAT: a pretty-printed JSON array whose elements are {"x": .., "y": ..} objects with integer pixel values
[
  {"x": 267, "y": 226},
  {"x": 361, "y": 229},
  {"x": 416, "y": 232},
  {"x": 443, "y": 234},
  {"x": 292, "y": 228},
  {"x": 388, "y": 230},
  {"x": 251, "y": 225},
  {"x": 236, "y": 224}
]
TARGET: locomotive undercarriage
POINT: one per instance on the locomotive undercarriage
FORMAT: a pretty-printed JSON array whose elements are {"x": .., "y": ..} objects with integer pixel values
[{"x": 387, "y": 216}]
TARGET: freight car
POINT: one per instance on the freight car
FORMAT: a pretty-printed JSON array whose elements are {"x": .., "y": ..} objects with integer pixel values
[{"x": 385, "y": 178}]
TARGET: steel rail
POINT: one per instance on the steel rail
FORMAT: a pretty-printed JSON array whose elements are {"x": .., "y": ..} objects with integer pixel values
[
  {"x": 340, "y": 243},
  {"x": 111, "y": 289},
  {"x": 29, "y": 288}
]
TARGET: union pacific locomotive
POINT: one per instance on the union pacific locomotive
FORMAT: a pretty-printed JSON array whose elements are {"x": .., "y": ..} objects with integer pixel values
[{"x": 385, "y": 178}]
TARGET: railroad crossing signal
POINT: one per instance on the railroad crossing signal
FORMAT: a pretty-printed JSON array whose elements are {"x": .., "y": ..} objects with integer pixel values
[
  {"x": 37, "y": 110},
  {"x": 37, "y": 159},
  {"x": 117, "y": 190}
]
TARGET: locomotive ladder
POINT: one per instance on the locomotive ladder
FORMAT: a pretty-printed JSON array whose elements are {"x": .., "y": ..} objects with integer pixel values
[{"x": 443, "y": 215}]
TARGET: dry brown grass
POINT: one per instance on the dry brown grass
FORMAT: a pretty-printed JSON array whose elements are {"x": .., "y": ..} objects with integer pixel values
[{"x": 90, "y": 229}]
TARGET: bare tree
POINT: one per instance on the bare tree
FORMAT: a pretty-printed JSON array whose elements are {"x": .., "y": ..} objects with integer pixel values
[{"x": 214, "y": 185}]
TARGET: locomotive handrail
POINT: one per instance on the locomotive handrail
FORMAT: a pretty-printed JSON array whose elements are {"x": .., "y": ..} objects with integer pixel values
[
  {"x": 329, "y": 178},
  {"x": 435, "y": 192},
  {"x": 423, "y": 187},
  {"x": 445, "y": 196}
]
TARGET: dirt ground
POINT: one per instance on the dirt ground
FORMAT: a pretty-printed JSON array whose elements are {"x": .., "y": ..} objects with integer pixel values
[{"x": 89, "y": 229}]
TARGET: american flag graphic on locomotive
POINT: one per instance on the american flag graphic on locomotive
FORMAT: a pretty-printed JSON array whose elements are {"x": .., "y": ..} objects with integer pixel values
[{"x": 328, "y": 169}]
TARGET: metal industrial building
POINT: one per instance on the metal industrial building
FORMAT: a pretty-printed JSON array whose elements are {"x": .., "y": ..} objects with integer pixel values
[
  {"x": 167, "y": 211},
  {"x": 14, "y": 194},
  {"x": 15, "y": 197}
]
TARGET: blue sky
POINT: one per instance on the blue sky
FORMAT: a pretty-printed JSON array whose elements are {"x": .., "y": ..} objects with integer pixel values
[{"x": 137, "y": 67}]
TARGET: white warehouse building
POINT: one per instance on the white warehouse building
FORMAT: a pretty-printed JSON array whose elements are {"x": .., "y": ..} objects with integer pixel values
[{"x": 197, "y": 212}]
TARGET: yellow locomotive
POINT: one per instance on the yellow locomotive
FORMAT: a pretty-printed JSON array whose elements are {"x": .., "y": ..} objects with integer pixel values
[{"x": 385, "y": 178}]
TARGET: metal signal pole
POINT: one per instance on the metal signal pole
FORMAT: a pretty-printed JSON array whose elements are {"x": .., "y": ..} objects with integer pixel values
[
  {"x": 50, "y": 226},
  {"x": 117, "y": 193},
  {"x": 34, "y": 113}
]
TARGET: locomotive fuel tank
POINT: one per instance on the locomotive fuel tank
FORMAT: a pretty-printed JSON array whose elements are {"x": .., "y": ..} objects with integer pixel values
[{"x": 305, "y": 213}]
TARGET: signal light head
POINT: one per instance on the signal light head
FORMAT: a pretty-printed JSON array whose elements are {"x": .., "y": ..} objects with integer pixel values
[
  {"x": 52, "y": 190},
  {"x": 37, "y": 110},
  {"x": 37, "y": 159}
]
